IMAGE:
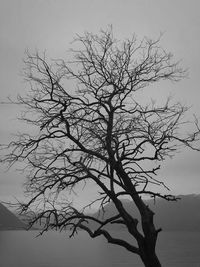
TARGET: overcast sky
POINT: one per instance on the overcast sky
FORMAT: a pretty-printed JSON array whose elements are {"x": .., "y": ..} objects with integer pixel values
[{"x": 52, "y": 24}]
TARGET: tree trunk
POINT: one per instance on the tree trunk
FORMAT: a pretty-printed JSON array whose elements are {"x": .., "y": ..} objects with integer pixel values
[
  {"x": 147, "y": 243},
  {"x": 150, "y": 259}
]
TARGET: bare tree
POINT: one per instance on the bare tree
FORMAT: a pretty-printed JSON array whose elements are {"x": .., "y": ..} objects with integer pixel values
[{"x": 89, "y": 128}]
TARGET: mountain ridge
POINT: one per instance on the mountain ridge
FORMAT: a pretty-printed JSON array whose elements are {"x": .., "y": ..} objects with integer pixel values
[
  {"x": 9, "y": 221},
  {"x": 180, "y": 215}
]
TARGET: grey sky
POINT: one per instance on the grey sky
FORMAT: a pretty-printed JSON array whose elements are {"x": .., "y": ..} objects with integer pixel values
[{"x": 51, "y": 25}]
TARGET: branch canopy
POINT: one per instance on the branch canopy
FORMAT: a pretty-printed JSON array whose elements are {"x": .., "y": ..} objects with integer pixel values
[{"x": 98, "y": 133}]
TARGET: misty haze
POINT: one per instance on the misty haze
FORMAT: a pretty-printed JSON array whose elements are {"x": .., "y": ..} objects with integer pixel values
[{"x": 99, "y": 133}]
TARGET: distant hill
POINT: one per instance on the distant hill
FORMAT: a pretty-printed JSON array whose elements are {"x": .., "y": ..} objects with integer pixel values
[
  {"x": 8, "y": 221},
  {"x": 180, "y": 215}
]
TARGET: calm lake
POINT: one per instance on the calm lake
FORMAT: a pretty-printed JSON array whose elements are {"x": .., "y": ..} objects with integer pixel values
[{"x": 54, "y": 249}]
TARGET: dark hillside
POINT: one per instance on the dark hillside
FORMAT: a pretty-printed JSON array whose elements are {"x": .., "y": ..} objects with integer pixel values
[
  {"x": 8, "y": 221},
  {"x": 180, "y": 215}
]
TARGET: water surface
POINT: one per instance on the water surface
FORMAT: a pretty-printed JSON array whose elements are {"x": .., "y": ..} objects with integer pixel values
[{"x": 54, "y": 249}]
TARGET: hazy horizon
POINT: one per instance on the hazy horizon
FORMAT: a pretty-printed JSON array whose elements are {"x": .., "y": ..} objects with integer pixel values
[{"x": 51, "y": 26}]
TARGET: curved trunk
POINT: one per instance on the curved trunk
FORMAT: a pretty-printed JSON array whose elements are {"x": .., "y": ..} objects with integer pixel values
[
  {"x": 147, "y": 250},
  {"x": 147, "y": 242},
  {"x": 150, "y": 259}
]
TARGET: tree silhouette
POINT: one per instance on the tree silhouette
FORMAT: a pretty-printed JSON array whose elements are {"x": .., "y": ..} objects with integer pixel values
[{"x": 89, "y": 129}]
